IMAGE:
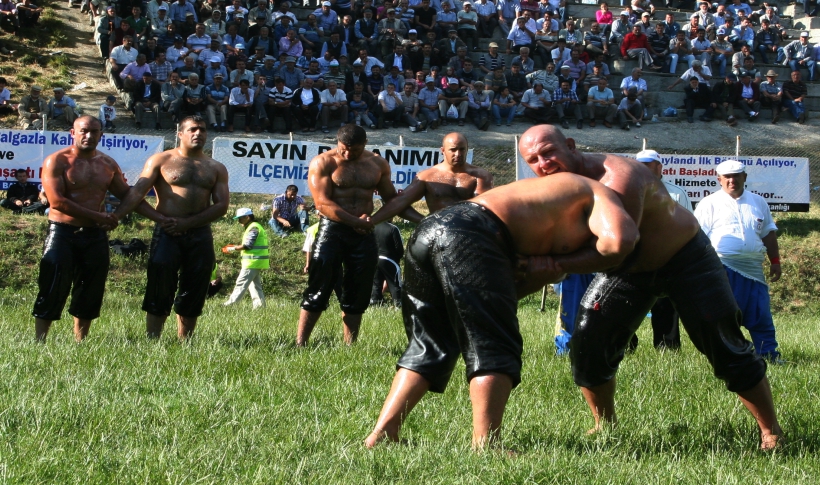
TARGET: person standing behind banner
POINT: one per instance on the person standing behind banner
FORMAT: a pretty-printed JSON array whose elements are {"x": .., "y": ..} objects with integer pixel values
[
  {"x": 255, "y": 258},
  {"x": 739, "y": 224}
]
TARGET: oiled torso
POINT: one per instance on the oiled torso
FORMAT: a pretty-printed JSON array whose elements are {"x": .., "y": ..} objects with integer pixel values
[
  {"x": 547, "y": 215},
  {"x": 185, "y": 185},
  {"x": 354, "y": 182},
  {"x": 664, "y": 225},
  {"x": 84, "y": 181}
]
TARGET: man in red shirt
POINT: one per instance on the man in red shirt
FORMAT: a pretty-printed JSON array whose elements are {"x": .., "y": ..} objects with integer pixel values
[{"x": 636, "y": 45}]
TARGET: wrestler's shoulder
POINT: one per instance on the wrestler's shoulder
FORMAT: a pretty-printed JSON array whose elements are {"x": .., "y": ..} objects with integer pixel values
[{"x": 479, "y": 172}]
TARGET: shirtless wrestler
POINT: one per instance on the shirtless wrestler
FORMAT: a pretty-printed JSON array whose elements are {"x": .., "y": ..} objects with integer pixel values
[
  {"x": 443, "y": 185},
  {"x": 342, "y": 182},
  {"x": 674, "y": 259},
  {"x": 75, "y": 180},
  {"x": 461, "y": 290},
  {"x": 192, "y": 191}
]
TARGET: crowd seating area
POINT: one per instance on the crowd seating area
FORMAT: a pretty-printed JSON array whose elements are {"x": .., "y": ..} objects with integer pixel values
[{"x": 419, "y": 64}]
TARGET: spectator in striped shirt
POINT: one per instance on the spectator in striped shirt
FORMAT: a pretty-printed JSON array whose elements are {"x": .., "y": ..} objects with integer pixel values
[
  {"x": 289, "y": 214},
  {"x": 278, "y": 106},
  {"x": 565, "y": 99}
]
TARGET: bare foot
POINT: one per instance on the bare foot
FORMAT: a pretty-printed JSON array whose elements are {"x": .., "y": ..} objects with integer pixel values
[
  {"x": 377, "y": 436},
  {"x": 603, "y": 425},
  {"x": 772, "y": 441}
]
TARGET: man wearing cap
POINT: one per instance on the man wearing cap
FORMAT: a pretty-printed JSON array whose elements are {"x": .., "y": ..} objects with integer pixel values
[
  {"x": 799, "y": 54},
  {"x": 673, "y": 247},
  {"x": 62, "y": 107},
  {"x": 217, "y": 95},
  {"x": 255, "y": 257},
  {"x": 391, "y": 30},
  {"x": 665, "y": 319},
  {"x": 160, "y": 24},
  {"x": 448, "y": 47},
  {"x": 292, "y": 76},
  {"x": 177, "y": 53},
  {"x": 215, "y": 25},
  {"x": 215, "y": 67},
  {"x": 453, "y": 96},
  {"x": 740, "y": 227},
  {"x": 698, "y": 95},
  {"x": 326, "y": 17},
  {"x": 620, "y": 28},
  {"x": 429, "y": 98},
  {"x": 182, "y": 254},
  {"x": 722, "y": 51},
  {"x": 771, "y": 94},
  {"x": 698, "y": 70},
  {"x": 153, "y": 9},
  {"x": 147, "y": 98}
]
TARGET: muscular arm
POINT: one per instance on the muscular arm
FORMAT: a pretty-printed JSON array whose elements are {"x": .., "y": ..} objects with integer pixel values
[
  {"x": 54, "y": 185},
  {"x": 614, "y": 236},
  {"x": 413, "y": 193},
  {"x": 220, "y": 196},
  {"x": 388, "y": 193},
  {"x": 120, "y": 189},
  {"x": 136, "y": 194},
  {"x": 484, "y": 182}
]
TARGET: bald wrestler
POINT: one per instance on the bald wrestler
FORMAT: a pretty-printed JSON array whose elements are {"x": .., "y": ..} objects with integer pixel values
[
  {"x": 442, "y": 185},
  {"x": 192, "y": 192},
  {"x": 461, "y": 292},
  {"x": 674, "y": 259},
  {"x": 75, "y": 180}
]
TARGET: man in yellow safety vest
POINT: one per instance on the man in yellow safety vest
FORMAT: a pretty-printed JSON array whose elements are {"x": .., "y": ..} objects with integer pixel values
[{"x": 255, "y": 257}]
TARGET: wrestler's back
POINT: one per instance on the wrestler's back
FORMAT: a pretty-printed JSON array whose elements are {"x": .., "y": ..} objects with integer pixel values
[
  {"x": 186, "y": 184},
  {"x": 85, "y": 182},
  {"x": 547, "y": 215},
  {"x": 665, "y": 226}
]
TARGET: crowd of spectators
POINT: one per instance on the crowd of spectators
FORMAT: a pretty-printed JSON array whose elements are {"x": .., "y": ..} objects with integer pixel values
[{"x": 415, "y": 63}]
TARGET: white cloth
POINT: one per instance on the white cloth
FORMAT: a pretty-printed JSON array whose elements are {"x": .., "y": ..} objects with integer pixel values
[
  {"x": 339, "y": 97},
  {"x": 307, "y": 96},
  {"x": 236, "y": 98},
  {"x": 678, "y": 195},
  {"x": 736, "y": 228}
]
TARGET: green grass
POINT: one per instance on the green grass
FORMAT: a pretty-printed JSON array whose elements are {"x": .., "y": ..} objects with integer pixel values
[{"x": 241, "y": 404}]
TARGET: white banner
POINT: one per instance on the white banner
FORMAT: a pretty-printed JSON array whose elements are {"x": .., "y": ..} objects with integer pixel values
[
  {"x": 782, "y": 181},
  {"x": 268, "y": 166},
  {"x": 27, "y": 149}
]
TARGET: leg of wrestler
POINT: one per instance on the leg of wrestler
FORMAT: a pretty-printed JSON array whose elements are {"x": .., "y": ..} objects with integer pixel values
[
  {"x": 54, "y": 281},
  {"x": 323, "y": 275},
  {"x": 713, "y": 325},
  {"x": 198, "y": 259},
  {"x": 359, "y": 262},
  {"x": 163, "y": 267},
  {"x": 488, "y": 394},
  {"x": 611, "y": 310},
  {"x": 432, "y": 345},
  {"x": 91, "y": 258},
  {"x": 665, "y": 331},
  {"x": 406, "y": 391}
]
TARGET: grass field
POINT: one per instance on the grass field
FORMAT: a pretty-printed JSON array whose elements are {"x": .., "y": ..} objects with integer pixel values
[{"x": 240, "y": 404}]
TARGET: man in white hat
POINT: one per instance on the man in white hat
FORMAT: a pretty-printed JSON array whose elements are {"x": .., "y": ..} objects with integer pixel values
[
  {"x": 739, "y": 224},
  {"x": 255, "y": 258}
]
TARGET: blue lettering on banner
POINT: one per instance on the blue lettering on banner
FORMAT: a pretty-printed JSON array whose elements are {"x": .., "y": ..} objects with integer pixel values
[
  {"x": 268, "y": 171},
  {"x": 17, "y": 139}
]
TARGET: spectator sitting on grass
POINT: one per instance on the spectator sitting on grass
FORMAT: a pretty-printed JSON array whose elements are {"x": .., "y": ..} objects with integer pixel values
[
  {"x": 28, "y": 13},
  {"x": 31, "y": 109},
  {"x": 62, "y": 107},
  {"x": 108, "y": 113},
  {"x": 289, "y": 214},
  {"x": 5, "y": 99}
]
